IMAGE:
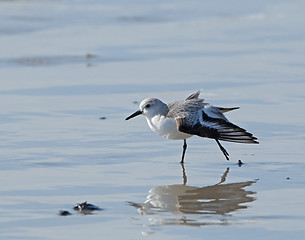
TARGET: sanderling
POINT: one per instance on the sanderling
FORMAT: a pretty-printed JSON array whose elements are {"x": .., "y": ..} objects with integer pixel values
[{"x": 193, "y": 116}]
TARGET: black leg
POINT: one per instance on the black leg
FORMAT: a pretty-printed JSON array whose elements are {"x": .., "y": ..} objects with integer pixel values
[
  {"x": 184, "y": 149},
  {"x": 224, "y": 151}
]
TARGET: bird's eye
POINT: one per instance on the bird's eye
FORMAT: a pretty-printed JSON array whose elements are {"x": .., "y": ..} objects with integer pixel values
[{"x": 147, "y": 106}]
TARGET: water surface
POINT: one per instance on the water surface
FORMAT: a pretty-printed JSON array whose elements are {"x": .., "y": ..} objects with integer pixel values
[{"x": 71, "y": 71}]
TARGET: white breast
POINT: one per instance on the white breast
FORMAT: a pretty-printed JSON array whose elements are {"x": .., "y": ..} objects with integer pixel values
[{"x": 166, "y": 127}]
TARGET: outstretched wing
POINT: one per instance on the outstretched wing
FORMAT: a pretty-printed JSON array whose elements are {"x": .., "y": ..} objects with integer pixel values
[{"x": 211, "y": 123}]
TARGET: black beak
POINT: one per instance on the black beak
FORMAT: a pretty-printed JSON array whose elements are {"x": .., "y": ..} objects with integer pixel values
[{"x": 134, "y": 114}]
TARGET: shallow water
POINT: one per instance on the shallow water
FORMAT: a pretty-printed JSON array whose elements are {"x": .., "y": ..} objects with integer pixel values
[{"x": 71, "y": 71}]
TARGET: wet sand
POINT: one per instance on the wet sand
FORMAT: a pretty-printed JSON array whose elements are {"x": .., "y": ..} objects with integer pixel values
[{"x": 71, "y": 72}]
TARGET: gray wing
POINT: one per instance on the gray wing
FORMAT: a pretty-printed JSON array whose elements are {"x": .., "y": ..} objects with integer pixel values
[
  {"x": 185, "y": 109},
  {"x": 211, "y": 123}
]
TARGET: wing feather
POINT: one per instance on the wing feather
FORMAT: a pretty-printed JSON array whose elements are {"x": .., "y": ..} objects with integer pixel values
[
  {"x": 211, "y": 123},
  {"x": 224, "y": 110},
  {"x": 194, "y": 95}
]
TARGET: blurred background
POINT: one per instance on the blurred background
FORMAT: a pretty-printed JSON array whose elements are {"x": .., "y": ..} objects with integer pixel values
[{"x": 71, "y": 71}]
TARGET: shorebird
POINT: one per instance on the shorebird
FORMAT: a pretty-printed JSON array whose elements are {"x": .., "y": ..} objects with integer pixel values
[{"x": 183, "y": 119}]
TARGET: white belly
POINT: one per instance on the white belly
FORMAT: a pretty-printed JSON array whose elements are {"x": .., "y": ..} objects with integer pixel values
[{"x": 166, "y": 127}]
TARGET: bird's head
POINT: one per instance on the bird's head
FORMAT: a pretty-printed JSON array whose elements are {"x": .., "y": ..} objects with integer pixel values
[{"x": 150, "y": 107}]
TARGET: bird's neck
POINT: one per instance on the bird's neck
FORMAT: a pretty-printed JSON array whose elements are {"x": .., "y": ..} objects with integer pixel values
[{"x": 163, "y": 110}]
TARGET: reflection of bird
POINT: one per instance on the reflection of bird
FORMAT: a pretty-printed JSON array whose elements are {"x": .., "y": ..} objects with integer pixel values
[
  {"x": 220, "y": 199},
  {"x": 183, "y": 119}
]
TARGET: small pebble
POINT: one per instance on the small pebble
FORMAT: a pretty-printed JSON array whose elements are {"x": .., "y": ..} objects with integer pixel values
[
  {"x": 64, "y": 213},
  {"x": 89, "y": 55},
  {"x": 86, "y": 208}
]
